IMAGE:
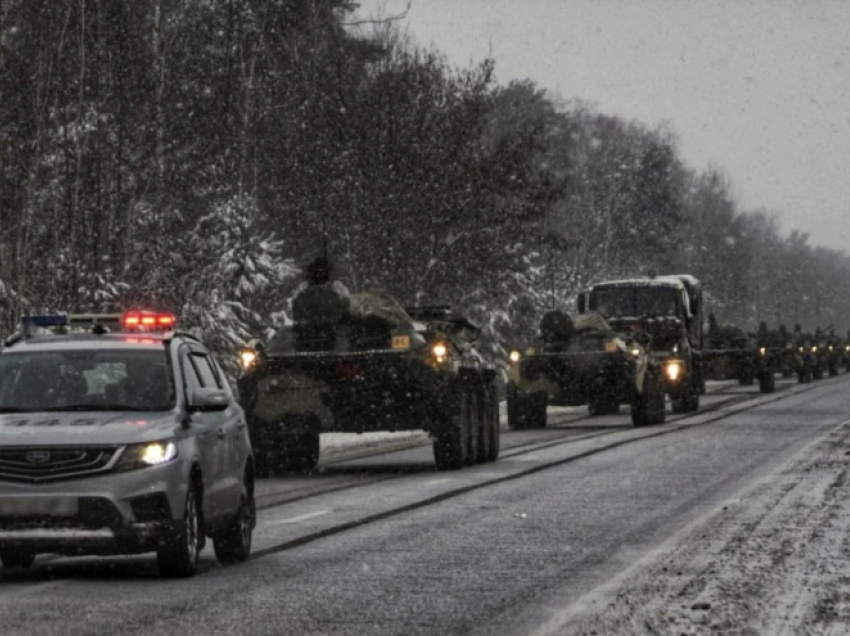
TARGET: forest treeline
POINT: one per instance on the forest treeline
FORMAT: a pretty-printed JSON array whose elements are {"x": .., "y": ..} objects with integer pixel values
[{"x": 193, "y": 155}]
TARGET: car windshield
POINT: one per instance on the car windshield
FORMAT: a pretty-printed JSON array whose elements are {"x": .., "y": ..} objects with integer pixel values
[
  {"x": 635, "y": 301},
  {"x": 74, "y": 380}
]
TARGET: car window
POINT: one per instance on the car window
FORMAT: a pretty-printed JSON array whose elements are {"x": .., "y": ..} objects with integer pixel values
[
  {"x": 191, "y": 378},
  {"x": 205, "y": 370},
  {"x": 86, "y": 380}
]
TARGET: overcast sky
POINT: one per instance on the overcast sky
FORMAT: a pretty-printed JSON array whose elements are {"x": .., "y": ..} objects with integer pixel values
[{"x": 759, "y": 88}]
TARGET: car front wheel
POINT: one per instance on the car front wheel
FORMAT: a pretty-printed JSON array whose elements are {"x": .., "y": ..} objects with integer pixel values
[
  {"x": 179, "y": 558},
  {"x": 233, "y": 545}
]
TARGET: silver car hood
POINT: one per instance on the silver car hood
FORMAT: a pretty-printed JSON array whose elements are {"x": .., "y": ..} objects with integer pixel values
[{"x": 85, "y": 428}]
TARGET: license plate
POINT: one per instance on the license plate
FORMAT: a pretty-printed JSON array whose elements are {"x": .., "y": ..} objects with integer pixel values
[
  {"x": 39, "y": 506},
  {"x": 401, "y": 342},
  {"x": 610, "y": 346}
]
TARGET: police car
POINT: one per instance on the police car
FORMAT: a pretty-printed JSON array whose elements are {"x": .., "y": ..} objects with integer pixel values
[{"x": 120, "y": 435}]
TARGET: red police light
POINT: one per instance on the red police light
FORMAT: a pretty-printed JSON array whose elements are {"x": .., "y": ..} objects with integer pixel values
[{"x": 148, "y": 320}]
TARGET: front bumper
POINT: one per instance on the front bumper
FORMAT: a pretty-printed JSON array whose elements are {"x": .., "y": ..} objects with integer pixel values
[
  {"x": 113, "y": 513},
  {"x": 571, "y": 379}
]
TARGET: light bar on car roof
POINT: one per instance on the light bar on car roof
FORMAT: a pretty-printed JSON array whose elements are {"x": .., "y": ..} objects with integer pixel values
[
  {"x": 69, "y": 321},
  {"x": 148, "y": 321},
  {"x": 55, "y": 320}
]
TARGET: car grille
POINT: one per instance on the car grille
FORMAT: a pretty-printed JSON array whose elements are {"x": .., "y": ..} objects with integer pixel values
[{"x": 39, "y": 464}]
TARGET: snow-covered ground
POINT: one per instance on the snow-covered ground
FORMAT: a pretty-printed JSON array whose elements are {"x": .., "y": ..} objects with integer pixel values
[
  {"x": 774, "y": 561},
  {"x": 340, "y": 445}
]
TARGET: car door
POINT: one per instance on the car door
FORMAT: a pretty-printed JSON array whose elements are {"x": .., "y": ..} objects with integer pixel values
[
  {"x": 205, "y": 427},
  {"x": 229, "y": 432}
]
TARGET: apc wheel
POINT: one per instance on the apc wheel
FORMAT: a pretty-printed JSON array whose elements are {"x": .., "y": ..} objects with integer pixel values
[
  {"x": 688, "y": 402},
  {"x": 16, "y": 559},
  {"x": 263, "y": 447},
  {"x": 474, "y": 427},
  {"x": 298, "y": 448},
  {"x": 233, "y": 544},
  {"x": 493, "y": 426},
  {"x": 602, "y": 404},
  {"x": 649, "y": 407},
  {"x": 179, "y": 559},
  {"x": 767, "y": 382},
  {"x": 451, "y": 445},
  {"x": 489, "y": 436},
  {"x": 746, "y": 378},
  {"x": 526, "y": 411}
]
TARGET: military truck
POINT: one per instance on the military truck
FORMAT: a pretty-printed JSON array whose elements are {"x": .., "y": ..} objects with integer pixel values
[
  {"x": 668, "y": 310},
  {"x": 583, "y": 363},
  {"x": 379, "y": 368},
  {"x": 735, "y": 354}
]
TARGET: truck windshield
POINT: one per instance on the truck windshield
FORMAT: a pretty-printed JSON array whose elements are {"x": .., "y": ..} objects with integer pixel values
[
  {"x": 74, "y": 380},
  {"x": 646, "y": 300}
]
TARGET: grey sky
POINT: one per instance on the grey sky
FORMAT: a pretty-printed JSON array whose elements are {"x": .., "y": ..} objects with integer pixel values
[{"x": 759, "y": 88}]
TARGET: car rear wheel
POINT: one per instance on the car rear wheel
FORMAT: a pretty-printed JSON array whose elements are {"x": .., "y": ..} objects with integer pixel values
[
  {"x": 16, "y": 559},
  {"x": 233, "y": 544},
  {"x": 179, "y": 558}
]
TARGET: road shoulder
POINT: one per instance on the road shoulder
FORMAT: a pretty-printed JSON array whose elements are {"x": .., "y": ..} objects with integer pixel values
[{"x": 772, "y": 561}]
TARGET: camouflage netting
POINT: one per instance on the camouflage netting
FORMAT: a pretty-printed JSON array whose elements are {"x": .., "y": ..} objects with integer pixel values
[
  {"x": 381, "y": 305},
  {"x": 326, "y": 303},
  {"x": 592, "y": 322}
]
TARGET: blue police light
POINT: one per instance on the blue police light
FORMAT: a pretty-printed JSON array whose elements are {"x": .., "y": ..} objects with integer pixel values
[{"x": 56, "y": 320}]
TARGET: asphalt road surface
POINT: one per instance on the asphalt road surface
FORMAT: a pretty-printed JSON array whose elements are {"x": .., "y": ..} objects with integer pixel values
[{"x": 543, "y": 541}]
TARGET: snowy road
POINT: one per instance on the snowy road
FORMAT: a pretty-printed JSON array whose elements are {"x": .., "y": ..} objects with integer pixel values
[{"x": 734, "y": 518}]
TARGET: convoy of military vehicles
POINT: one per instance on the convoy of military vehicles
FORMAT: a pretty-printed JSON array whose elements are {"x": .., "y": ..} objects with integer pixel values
[{"x": 378, "y": 366}]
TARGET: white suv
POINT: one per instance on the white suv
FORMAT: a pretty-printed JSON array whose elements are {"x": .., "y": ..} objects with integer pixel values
[{"x": 122, "y": 439}]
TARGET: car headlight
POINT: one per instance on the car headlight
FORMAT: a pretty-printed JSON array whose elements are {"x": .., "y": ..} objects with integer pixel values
[
  {"x": 514, "y": 356},
  {"x": 635, "y": 352},
  {"x": 146, "y": 455},
  {"x": 814, "y": 348},
  {"x": 673, "y": 370},
  {"x": 762, "y": 351}
]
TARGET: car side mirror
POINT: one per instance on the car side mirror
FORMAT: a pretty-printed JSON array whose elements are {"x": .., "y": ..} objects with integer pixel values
[{"x": 208, "y": 399}]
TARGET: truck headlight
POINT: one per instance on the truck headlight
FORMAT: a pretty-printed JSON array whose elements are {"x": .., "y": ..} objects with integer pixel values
[
  {"x": 439, "y": 354},
  {"x": 146, "y": 455},
  {"x": 673, "y": 370},
  {"x": 514, "y": 356}
]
